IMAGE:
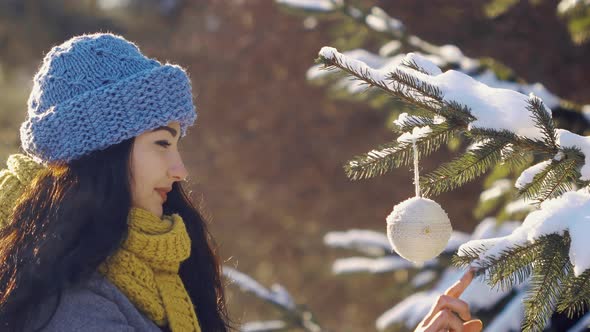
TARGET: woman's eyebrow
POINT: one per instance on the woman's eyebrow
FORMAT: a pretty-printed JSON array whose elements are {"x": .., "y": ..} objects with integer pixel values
[{"x": 172, "y": 131}]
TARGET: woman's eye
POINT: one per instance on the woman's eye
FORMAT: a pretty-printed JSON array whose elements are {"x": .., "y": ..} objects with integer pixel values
[{"x": 163, "y": 143}]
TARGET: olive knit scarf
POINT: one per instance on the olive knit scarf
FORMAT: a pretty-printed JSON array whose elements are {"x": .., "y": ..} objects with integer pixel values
[{"x": 145, "y": 268}]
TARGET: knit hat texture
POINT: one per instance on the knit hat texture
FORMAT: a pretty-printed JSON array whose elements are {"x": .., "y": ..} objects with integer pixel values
[{"x": 96, "y": 90}]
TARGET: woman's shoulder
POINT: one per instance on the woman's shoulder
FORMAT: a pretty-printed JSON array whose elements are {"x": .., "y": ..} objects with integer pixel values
[{"x": 94, "y": 305}]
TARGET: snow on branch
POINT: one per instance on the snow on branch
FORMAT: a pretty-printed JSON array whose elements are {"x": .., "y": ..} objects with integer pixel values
[
  {"x": 569, "y": 212},
  {"x": 376, "y": 244},
  {"x": 568, "y": 139},
  {"x": 417, "y": 132},
  {"x": 500, "y": 121},
  {"x": 445, "y": 55},
  {"x": 312, "y": 5},
  {"x": 277, "y": 295},
  {"x": 265, "y": 326},
  {"x": 373, "y": 265},
  {"x": 423, "y": 277},
  {"x": 527, "y": 176},
  {"x": 294, "y": 315},
  {"x": 367, "y": 241},
  {"x": 380, "y": 21},
  {"x": 493, "y": 108}
]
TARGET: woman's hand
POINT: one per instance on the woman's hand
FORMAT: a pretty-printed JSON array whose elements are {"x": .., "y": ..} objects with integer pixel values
[{"x": 449, "y": 313}]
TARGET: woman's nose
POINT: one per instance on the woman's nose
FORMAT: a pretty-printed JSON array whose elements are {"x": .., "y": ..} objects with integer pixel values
[{"x": 178, "y": 171}]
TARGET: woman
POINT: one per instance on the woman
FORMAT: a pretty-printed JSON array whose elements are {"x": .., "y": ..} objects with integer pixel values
[
  {"x": 104, "y": 235},
  {"x": 96, "y": 230}
]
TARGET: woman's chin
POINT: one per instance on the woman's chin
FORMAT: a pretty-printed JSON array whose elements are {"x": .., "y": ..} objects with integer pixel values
[{"x": 156, "y": 209}]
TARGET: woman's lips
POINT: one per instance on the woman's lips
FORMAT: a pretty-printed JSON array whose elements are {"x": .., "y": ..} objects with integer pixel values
[{"x": 162, "y": 194}]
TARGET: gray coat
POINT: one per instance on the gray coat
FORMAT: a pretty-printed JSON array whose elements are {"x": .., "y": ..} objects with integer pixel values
[{"x": 95, "y": 306}]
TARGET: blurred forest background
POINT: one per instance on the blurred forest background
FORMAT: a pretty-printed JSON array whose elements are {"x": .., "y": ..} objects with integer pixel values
[{"x": 266, "y": 154}]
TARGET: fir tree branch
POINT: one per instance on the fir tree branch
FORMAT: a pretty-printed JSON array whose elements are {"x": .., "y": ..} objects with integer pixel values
[
  {"x": 532, "y": 190},
  {"x": 514, "y": 265},
  {"x": 536, "y": 146},
  {"x": 519, "y": 143},
  {"x": 457, "y": 112},
  {"x": 516, "y": 159},
  {"x": 552, "y": 284},
  {"x": 406, "y": 87},
  {"x": 364, "y": 75},
  {"x": 424, "y": 89},
  {"x": 430, "y": 97},
  {"x": 395, "y": 154},
  {"x": 469, "y": 255},
  {"x": 360, "y": 16},
  {"x": 379, "y": 161},
  {"x": 549, "y": 271},
  {"x": 480, "y": 134},
  {"x": 543, "y": 120},
  {"x": 414, "y": 66},
  {"x": 517, "y": 152},
  {"x": 413, "y": 121},
  {"x": 576, "y": 295},
  {"x": 412, "y": 42},
  {"x": 560, "y": 179},
  {"x": 555, "y": 179},
  {"x": 463, "y": 169}
]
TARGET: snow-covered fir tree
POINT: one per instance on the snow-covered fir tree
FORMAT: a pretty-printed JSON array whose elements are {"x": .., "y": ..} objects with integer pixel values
[
  {"x": 509, "y": 132},
  {"x": 292, "y": 315}
]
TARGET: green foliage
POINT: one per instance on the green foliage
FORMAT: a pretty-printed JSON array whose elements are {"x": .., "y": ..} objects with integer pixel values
[
  {"x": 496, "y": 8},
  {"x": 414, "y": 121},
  {"x": 549, "y": 271},
  {"x": 413, "y": 65},
  {"x": 556, "y": 178},
  {"x": 576, "y": 295},
  {"x": 546, "y": 262},
  {"x": 579, "y": 28},
  {"x": 512, "y": 266},
  {"x": 395, "y": 154},
  {"x": 561, "y": 177},
  {"x": 543, "y": 121},
  {"x": 464, "y": 168},
  {"x": 578, "y": 23},
  {"x": 454, "y": 143},
  {"x": 515, "y": 160},
  {"x": 513, "y": 164}
]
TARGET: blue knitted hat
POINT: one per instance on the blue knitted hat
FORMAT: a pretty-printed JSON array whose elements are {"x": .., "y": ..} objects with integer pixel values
[{"x": 97, "y": 90}]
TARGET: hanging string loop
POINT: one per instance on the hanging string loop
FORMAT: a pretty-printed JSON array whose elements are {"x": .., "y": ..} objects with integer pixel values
[{"x": 416, "y": 172}]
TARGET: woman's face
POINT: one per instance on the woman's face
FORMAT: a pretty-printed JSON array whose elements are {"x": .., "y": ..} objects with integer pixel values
[{"x": 155, "y": 165}]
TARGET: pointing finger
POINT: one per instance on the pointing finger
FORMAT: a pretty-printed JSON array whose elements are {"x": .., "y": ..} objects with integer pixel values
[
  {"x": 459, "y": 287},
  {"x": 473, "y": 326}
]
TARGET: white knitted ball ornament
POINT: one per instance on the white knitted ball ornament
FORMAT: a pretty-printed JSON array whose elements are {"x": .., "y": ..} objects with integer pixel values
[{"x": 418, "y": 229}]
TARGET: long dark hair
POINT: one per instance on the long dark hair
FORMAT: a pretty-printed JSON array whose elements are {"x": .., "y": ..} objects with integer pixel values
[{"x": 72, "y": 217}]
